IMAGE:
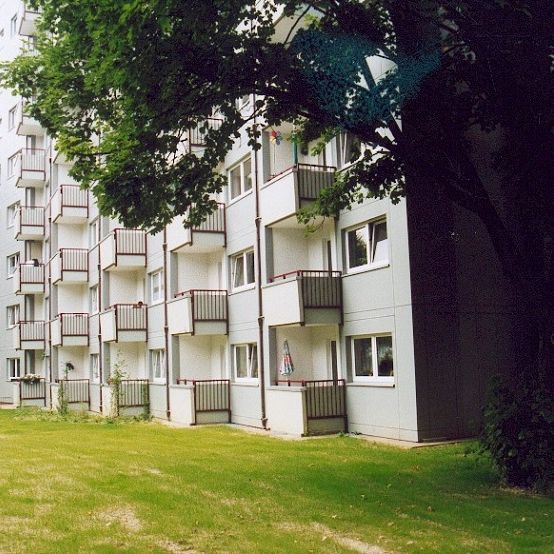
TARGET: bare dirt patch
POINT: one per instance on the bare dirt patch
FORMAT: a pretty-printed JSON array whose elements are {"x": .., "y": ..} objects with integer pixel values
[{"x": 121, "y": 515}]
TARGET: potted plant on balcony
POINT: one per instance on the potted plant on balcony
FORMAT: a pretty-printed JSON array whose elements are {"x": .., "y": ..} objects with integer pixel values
[{"x": 31, "y": 378}]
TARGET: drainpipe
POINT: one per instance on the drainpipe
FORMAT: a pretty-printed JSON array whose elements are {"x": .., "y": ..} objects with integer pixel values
[
  {"x": 166, "y": 330},
  {"x": 49, "y": 274},
  {"x": 261, "y": 364},
  {"x": 99, "y": 302}
]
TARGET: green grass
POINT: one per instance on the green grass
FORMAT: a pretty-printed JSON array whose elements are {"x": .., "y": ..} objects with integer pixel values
[{"x": 69, "y": 486}]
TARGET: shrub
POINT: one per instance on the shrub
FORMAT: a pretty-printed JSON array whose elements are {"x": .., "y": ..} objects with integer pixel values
[{"x": 519, "y": 431}]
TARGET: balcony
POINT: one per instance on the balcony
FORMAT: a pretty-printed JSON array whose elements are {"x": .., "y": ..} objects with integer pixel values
[
  {"x": 29, "y": 335},
  {"x": 198, "y": 312},
  {"x": 29, "y": 278},
  {"x": 124, "y": 249},
  {"x": 294, "y": 188},
  {"x": 29, "y": 168},
  {"x": 28, "y": 125},
  {"x": 27, "y": 20},
  {"x": 304, "y": 297},
  {"x": 70, "y": 330},
  {"x": 125, "y": 323},
  {"x": 69, "y": 266},
  {"x": 196, "y": 137},
  {"x": 69, "y": 204},
  {"x": 29, "y": 223},
  {"x": 209, "y": 236}
]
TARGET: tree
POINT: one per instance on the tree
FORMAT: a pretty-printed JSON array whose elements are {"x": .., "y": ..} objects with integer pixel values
[{"x": 119, "y": 84}]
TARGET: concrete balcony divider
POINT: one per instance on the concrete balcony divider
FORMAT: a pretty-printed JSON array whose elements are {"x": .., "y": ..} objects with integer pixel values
[
  {"x": 70, "y": 329},
  {"x": 296, "y": 187},
  {"x": 29, "y": 278},
  {"x": 125, "y": 323},
  {"x": 123, "y": 249},
  {"x": 69, "y": 204},
  {"x": 29, "y": 223},
  {"x": 30, "y": 168},
  {"x": 304, "y": 297},
  {"x": 29, "y": 335},
  {"x": 199, "y": 312},
  {"x": 69, "y": 266},
  {"x": 209, "y": 236}
]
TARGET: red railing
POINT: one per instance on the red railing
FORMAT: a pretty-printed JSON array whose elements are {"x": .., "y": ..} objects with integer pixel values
[
  {"x": 31, "y": 331},
  {"x": 197, "y": 135},
  {"x": 30, "y": 216},
  {"x": 325, "y": 398},
  {"x": 72, "y": 196},
  {"x": 31, "y": 274},
  {"x": 207, "y": 304},
  {"x": 210, "y": 395},
  {"x": 311, "y": 178},
  {"x": 320, "y": 289},
  {"x": 32, "y": 159},
  {"x": 130, "y": 242},
  {"x": 73, "y": 259},
  {"x": 131, "y": 317},
  {"x": 73, "y": 324}
]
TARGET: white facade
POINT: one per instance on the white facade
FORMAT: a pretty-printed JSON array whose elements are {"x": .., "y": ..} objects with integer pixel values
[{"x": 203, "y": 314}]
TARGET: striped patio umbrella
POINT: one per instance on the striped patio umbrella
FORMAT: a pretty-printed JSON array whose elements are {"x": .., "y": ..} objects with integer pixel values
[{"x": 287, "y": 367}]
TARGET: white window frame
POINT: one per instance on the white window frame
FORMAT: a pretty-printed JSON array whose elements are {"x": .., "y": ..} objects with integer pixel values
[
  {"x": 11, "y": 268},
  {"x": 93, "y": 233},
  {"x": 13, "y": 368},
  {"x": 156, "y": 296},
  {"x": 94, "y": 304},
  {"x": 12, "y": 162},
  {"x": 375, "y": 378},
  {"x": 94, "y": 363},
  {"x": 157, "y": 365},
  {"x": 12, "y": 315},
  {"x": 13, "y": 26},
  {"x": 12, "y": 117},
  {"x": 11, "y": 210},
  {"x": 369, "y": 230},
  {"x": 235, "y": 261},
  {"x": 252, "y": 369},
  {"x": 245, "y": 186}
]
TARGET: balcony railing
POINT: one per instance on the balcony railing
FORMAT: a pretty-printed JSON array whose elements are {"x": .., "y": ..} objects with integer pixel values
[
  {"x": 29, "y": 278},
  {"x": 70, "y": 204},
  {"x": 197, "y": 135},
  {"x": 320, "y": 289},
  {"x": 32, "y": 390},
  {"x": 206, "y": 304},
  {"x": 76, "y": 391},
  {"x": 27, "y": 18},
  {"x": 131, "y": 317},
  {"x": 29, "y": 335},
  {"x": 325, "y": 399},
  {"x": 70, "y": 265},
  {"x": 124, "y": 249},
  {"x": 29, "y": 222},
  {"x": 130, "y": 242},
  {"x": 73, "y": 324},
  {"x": 210, "y": 395},
  {"x": 134, "y": 393},
  {"x": 32, "y": 159},
  {"x": 214, "y": 223}
]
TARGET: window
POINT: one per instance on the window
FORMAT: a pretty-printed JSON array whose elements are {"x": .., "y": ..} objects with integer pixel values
[
  {"x": 12, "y": 315},
  {"x": 12, "y": 263},
  {"x": 242, "y": 267},
  {"x": 372, "y": 358},
  {"x": 240, "y": 178},
  {"x": 13, "y": 26},
  {"x": 93, "y": 299},
  {"x": 11, "y": 214},
  {"x": 11, "y": 165},
  {"x": 13, "y": 368},
  {"x": 93, "y": 233},
  {"x": 245, "y": 358},
  {"x": 157, "y": 364},
  {"x": 95, "y": 368},
  {"x": 367, "y": 245},
  {"x": 11, "y": 118},
  {"x": 156, "y": 287}
]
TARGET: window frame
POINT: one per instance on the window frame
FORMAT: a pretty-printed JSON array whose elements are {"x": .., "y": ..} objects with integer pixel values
[
  {"x": 160, "y": 296},
  {"x": 13, "y": 26},
  {"x": 13, "y": 368},
  {"x": 93, "y": 300},
  {"x": 251, "y": 359},
  {"x": 244, "y": 255},
  {"x": 369, "y": 227},
  {"x": 10, "y": 214},
  {"x": 17, "y": 257},
  {"x": 243, "y": 180},
  {"x": 94, "y": 232},
  {"x": 375, "y": 378},
  {"x": 94, "y": 366},
  {"x": 12, "y": 162},
  {"x": 12, "y": 117},
  {"x": 159, "y": 355},
  {"x": 13, "y": 312}
]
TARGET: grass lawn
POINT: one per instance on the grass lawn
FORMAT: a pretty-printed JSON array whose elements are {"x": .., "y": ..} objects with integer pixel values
[{"x": 143, "y": 487}]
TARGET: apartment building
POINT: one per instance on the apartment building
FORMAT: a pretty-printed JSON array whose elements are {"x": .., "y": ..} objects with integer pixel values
[{"x": 385, "y": 311}]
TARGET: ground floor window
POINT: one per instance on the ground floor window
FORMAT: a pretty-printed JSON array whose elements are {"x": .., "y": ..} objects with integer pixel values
[
  {"x": 157, "y": 365},
  {"x": 372, "y": 358},
  {"x": 13, "y": 368},
  {"x": 95, "y": 368},
  {"x": 245, "y": 358}
]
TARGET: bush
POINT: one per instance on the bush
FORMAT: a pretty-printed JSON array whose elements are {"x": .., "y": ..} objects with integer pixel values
[{"x": 519, "y": 431}]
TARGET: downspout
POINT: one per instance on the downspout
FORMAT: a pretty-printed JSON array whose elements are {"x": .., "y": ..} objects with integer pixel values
[
  {"x": 261, "y": 364},
  {"x": 166, "y": 330},
  {"x": 100, "y": 306},
  {"x": 49, "y": 275}
]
